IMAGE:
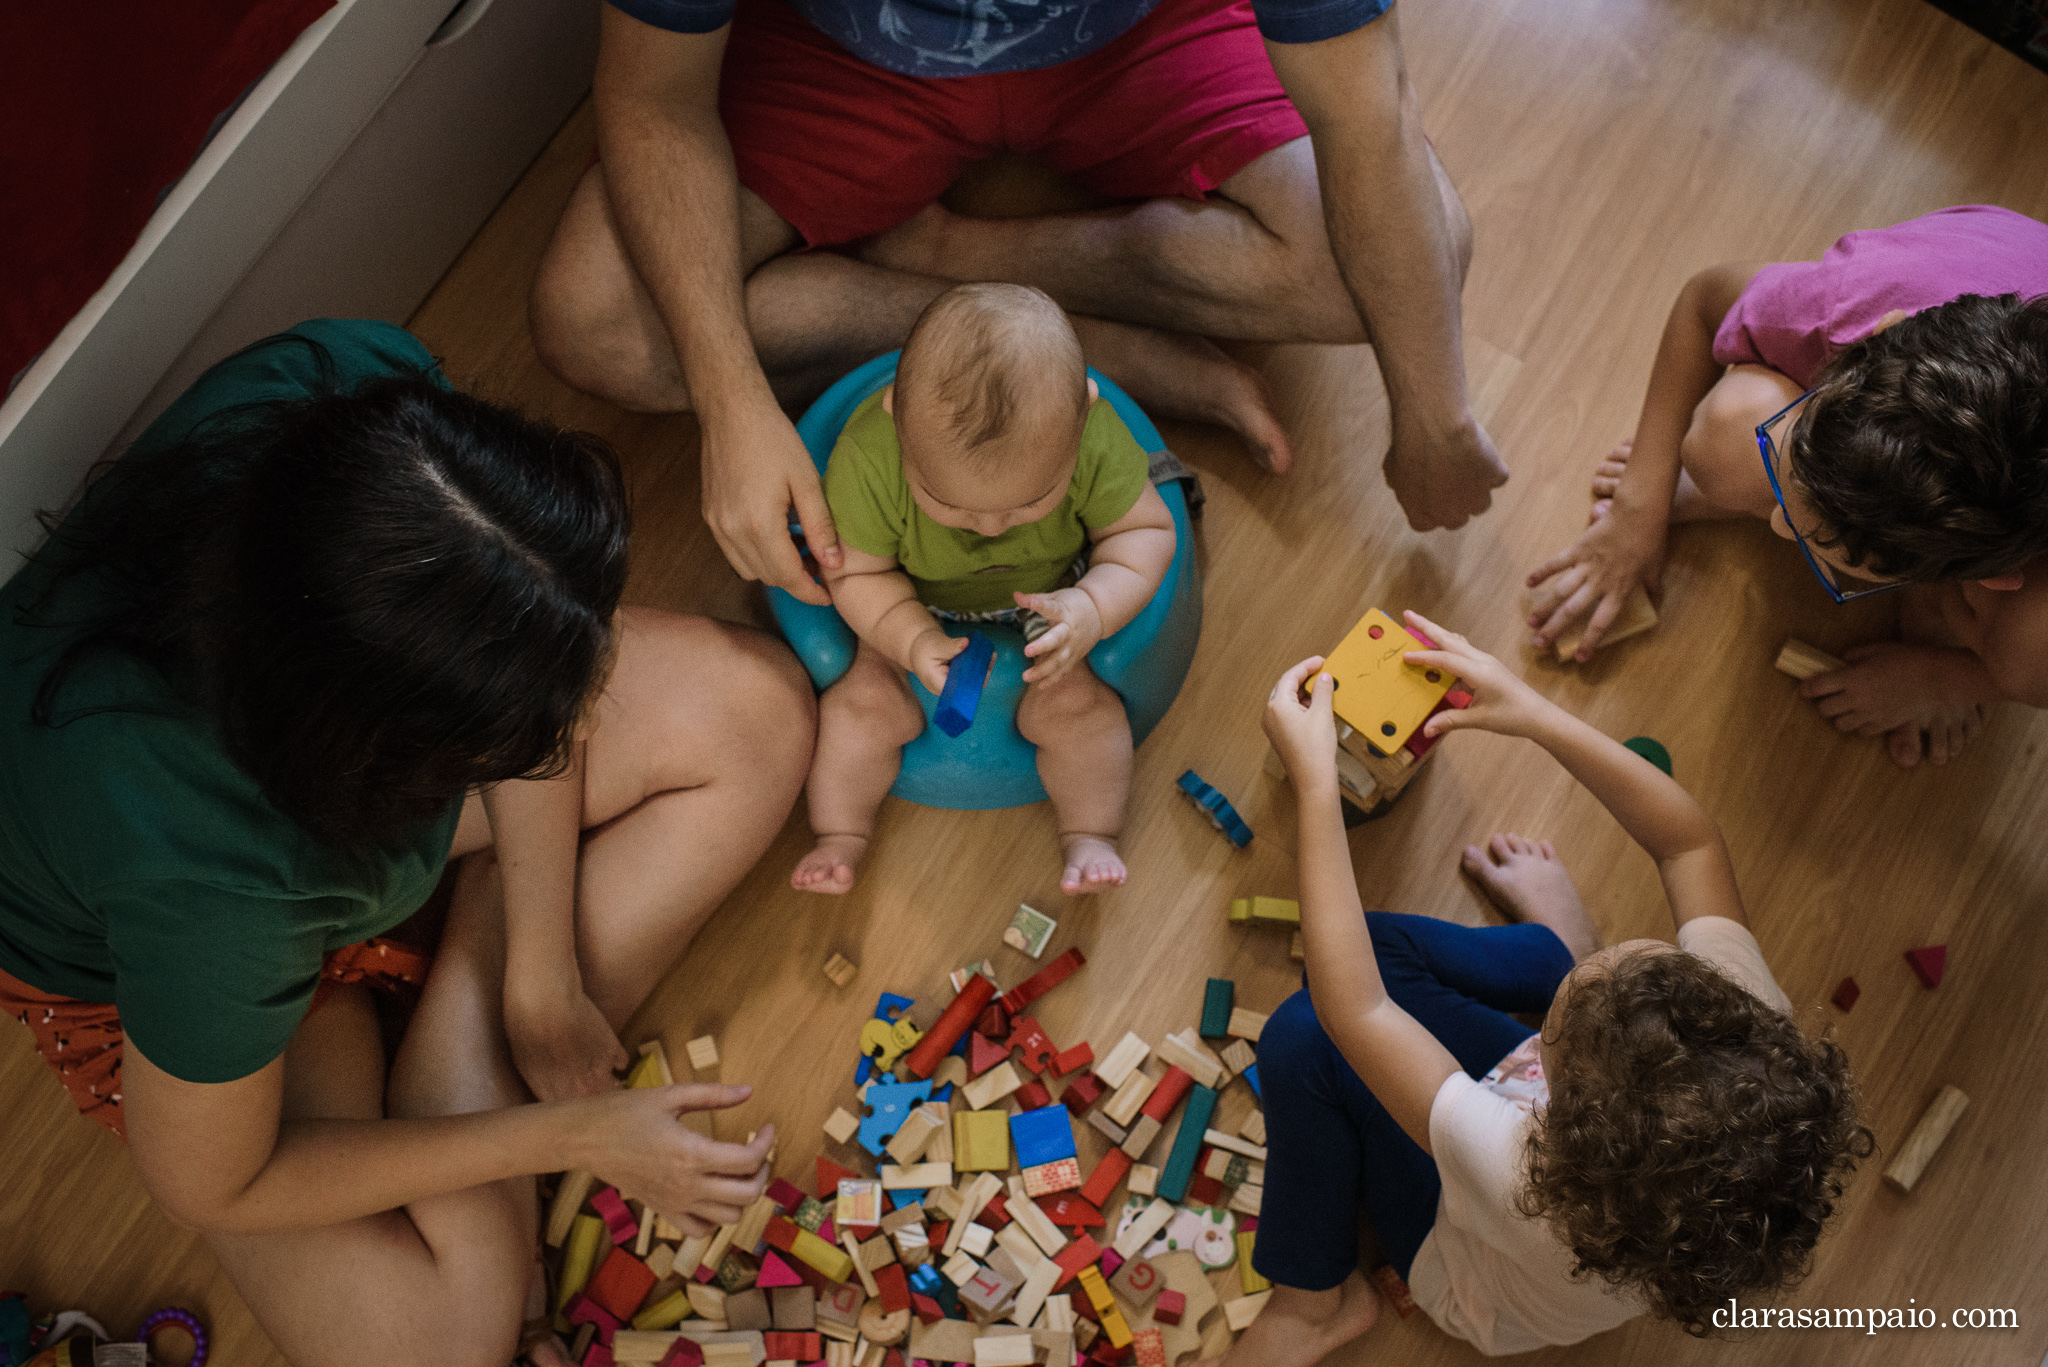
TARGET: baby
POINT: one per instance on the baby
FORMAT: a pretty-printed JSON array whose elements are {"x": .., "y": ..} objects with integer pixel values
[
  {"x": 1883, "y": 407},
  {"x": 973, "y": 489}
]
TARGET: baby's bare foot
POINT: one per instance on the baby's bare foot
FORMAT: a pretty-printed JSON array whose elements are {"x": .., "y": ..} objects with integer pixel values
[
  {"x": 832, "y": 864},
  {"x": 1093, "y": 865},
  {"x": 1526, "y": 881}
]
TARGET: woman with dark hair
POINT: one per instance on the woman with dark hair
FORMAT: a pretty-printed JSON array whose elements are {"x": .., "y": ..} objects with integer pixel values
[{"x": 328, "y": 625}]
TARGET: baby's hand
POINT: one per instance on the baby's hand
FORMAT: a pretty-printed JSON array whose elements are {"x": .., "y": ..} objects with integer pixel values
[
  {"x": 1076, "y": 627},
  {"x": 1501, "y": 700},
  {"x": 930, "y": 655},
  {"x": 1304, "y": 734}
]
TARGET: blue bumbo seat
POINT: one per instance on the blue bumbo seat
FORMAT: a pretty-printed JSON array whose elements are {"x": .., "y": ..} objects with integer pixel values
[{"x": 991, "y": 764}]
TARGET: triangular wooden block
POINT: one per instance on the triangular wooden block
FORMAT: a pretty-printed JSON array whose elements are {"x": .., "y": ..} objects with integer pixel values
[
  {"x": 830, "y": 1175},
  {"x": 1928, "y": 962},
  {"x": 775, "y": 1272},
  {"x": 984, "y": 1054}
]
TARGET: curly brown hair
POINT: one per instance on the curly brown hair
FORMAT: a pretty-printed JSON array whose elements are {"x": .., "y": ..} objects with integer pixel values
[{"x": 1696, "y": 1140}]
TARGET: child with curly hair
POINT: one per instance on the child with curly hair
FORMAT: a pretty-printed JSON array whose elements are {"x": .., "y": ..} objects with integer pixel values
[
  {"x": 1668, "y": 1139},
  {"x": 1887, "y": 408}
]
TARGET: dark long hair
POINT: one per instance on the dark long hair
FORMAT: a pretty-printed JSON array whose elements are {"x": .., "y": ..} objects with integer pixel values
[{"x": 382, "y": 597}]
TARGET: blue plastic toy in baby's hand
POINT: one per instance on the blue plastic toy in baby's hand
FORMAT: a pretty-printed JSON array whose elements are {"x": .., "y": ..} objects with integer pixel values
[{"x": 964, "y": 678}]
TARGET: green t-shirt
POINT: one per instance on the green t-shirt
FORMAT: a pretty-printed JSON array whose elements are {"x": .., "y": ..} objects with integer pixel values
[
  {"x": 962, "y": 571},
  {"x": 139, "y": 865}
]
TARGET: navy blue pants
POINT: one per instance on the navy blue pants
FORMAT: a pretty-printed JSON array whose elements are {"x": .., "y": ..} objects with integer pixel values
[{"x": 1332, "y": 1149}]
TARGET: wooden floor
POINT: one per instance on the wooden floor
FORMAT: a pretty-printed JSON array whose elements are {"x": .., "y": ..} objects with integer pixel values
[{"x": 1607, "y": 148}]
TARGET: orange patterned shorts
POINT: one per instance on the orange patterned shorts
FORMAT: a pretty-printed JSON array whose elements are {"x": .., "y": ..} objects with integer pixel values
[{"x": 82, "y": 1041}]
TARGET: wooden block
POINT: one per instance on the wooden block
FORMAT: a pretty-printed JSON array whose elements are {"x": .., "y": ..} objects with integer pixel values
[
  {"x": 961, "y": 1269},
  {"x": 1240, "y": 1313},
  {"x": 1031, "y": 1297},
  {"x": 874, "y": 1254},
  {"x": 1123, "y": 1107},
  {"x": 644, "y": 1243},
  {"x": 1246, "y": 1024},
  {"x": 1105, "y": 1126},
  {"x": 840, "y": 970},
  {"x": 1125, "y": 1059},
  {"x": 989, "y": 1290},
  {"x": 1926, "y": 1139},
  {"x": 1248, "y": 1276},
  {"x": 981, "y": 1141},
  {"x": 883, "y": 1327},
  {"x": 1189, "y": 1055},
  {"x": 977, "y": 1195},
  {"x": 913, "y": 1245},
  {"x": 1142, "y": 1230},
  {"x": 1058, "y": 1314},
  {"x": 977, "y": 1239},
  {"x": 661, "y": 1261},
  {"x": 901, "y": 1217},
  {"x": 1254, "y": 1127},
  {"x": 991, "y": 1087},
  {"x": 1143, "y": 1131},
  {"x": 841, "y": 1127},
  {"x": 703, "y": 1052},
  {"x": 1846, "y": 993},
  {"x": 707, "y": 1301},
  {"x": 916, "y": 1176},
  {"x": 944, "y": 1202},
  {"x": 1027, "y": 1255},
  {"x": 570, "y": 1194},
  {"x": 746, "y": 1236},
  {"x": 911, "y": 1138},
  {"x": 944, "y": 1341},
  {"x": 1036, "y": 1223},
  {"x": 1245, "y": 1201},
  {"x": 1187, "y": 1144},
  {"x": 939, "y": 1148},
  {"x": 1238, "y": 1056},
  {"x": 1143, "y": 1181},
  {"x": 1378, "y": 692},
  {"x": 1803, "y": 661},
  {"x": 1294, "y": 949},
  {"x": 748, "y": 1310},
  {"x": 840, "y": 1306},
  {"x": 860, "y": 1267},
  {"x": 1218, "y": 998},
  {"x": 793, "y": 1308},
  {"x": 1138, "y": 1282},
  {"x": 1638, "y": 614},
  {"x": 1218, "y": 1139},
  {"x": 1015, "y": 1350},
  {"x": 1148, "y": 1348}
]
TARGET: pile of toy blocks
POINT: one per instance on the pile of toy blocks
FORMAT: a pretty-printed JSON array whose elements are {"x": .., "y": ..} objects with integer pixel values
[{"x": 958, "y": 1222}]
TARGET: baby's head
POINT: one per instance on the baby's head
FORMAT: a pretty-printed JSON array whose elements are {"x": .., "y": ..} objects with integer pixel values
[
  {"x": 1695, "y": 1141},
  {"x": 990, "y": 397},
  {"x": 1923, "y": 453}
]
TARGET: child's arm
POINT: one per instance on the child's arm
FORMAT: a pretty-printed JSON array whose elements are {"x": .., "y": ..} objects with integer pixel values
[
  {"x": 1130, "y": 559},
  {"x": 1391, "y": 1051},
  {"x": 1626, "y": 547},
  {"x": 876, "y": 599},
  {"x": 1657, "y": 813},
  {"x": 561, "y": 1043}
]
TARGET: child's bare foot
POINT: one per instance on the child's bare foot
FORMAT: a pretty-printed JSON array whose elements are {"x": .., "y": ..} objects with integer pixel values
[
  {"x": 1688, "y": 504},
  {"x": 1899, "y": 691},
  {"x": 1526, "y": 881},
  {"x": 1299, "y": 1327},
  {"x": 1093, "y": 865},
  {"x": 832, "y": 864}
]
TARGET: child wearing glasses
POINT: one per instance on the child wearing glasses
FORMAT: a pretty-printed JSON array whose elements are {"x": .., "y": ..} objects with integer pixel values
[
  {"x": 1669, "y": 1139},
  {"x": 1887, "y": 408}
]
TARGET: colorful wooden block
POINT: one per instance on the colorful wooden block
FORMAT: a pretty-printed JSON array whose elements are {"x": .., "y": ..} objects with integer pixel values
[
  {"x": 1187, "y": 1143},
  {"x": 1067, "y": 1060},
  {"x": 981, "y": 1141},
  {"x": 1378, "y": 692},
  {"x": 951, "y": 1024},
  {"x": 859, "y": 1203},
  {"x": 890, "y": 1104},
  {"x": 1170, "y": 1307},
  {"x": 1044, "y": 1179},
  {"x": 1029, "y": 930},
  {"x": 1218, "y": 996},
  {"x": 1037, "y": 1047},
  {"x": 1282, "y": 911},
  {"x": 1033, "y": 1096},
  {"x": 1040, "y": 1136},
  {"x": 966, "y": 673},
  {"x": 1217, "y": 808},
  {"x": 1928, "y": 963},
  {"x": 1112, "y": 1168},
  {"x": 1043, "y": 981},
  {"x": 620, "y": 1283},
  {"x": 1083, "y": 1092},
  {"x": 892, "y": 1287},
  {"x": 1846, "y": 994}
]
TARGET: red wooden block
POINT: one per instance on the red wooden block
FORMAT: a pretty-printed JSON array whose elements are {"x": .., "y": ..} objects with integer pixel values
[
  {"x": 994, "y": 1020},
  {"x": 583, "y": 1310},
  {"x": 1032, "y": 1095},
  {"x": 1114, "y": 1167},
  {"x": 780, "y": 1233},
  {"x": 1068, "y": 1208},
  {"x": 786, "y": 1195},
  {"x": 1083, "y": 1092},
  {"x": 893, "y": 1287},
  {"x": 793, "y": 1347},
  {"x": 1042, "y": 982},
  {"x": 621, "y": 1284},
  {"x": 1111, "y": 1261},
  {"x": 983, "y": 1054},
  {"x": 619, "y": 1220},
  {"x": 1067, "y": 1060},
  {"x": 684, "y": 1352},
  {"x": 1170, "y": 1306},
  {"x": 1167, "y": 1094},
  {"x": 598, "y": 1355},
  {"x": 1026, "y": 1034},
  {"x": 830, "y": 1175},
  {"x": 927, "y": 1309},
  {"x": 1846, "y": 995},
  {"x": 1083, "y": 1307},
  {"x": 1148, "y": 1347},
  {"x": 1076, "y": 1256},
  {"x": 1106, "y": 1354},
  {"x": 937, "y": 1231},
  {"x": 996, "y": 1213},
  {"x": 893, "y": 1358},
  {"x": 828, "y": 1231},
  {"x": 1204, "y": 1190},
  {"x": 1928, "y": 963}
]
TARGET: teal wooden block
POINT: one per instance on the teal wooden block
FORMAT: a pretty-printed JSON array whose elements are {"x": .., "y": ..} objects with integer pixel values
[
  {"x": 1217, "y": 999},
  {"x": 1187, "y": 1144}
]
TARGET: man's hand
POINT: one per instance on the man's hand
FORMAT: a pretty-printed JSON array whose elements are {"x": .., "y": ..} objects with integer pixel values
[
  {"x": 1442, "y": 480},
  {"x": 931, "y": 654},
  {"x": 755, "y": 470},
  {"x": 1590, "y": 579},
  {"x": 563, "y": 1046},
  {"x": 1076, "y": 627},
  {"x": 641, "y": 1147}
]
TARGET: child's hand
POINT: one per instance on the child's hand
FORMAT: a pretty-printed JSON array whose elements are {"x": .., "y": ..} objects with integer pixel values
[
  {"x": 1501, "y": 700},
  {"x": 930, "y": 655},
  {"x": 1076, "y": 627},
  {"x": 1304, "y": 734},
  {"x": 1590, "y": 579}
]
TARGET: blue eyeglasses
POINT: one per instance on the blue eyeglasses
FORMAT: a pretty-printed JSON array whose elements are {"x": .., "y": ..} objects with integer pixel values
[{"x": 1821, "y": 569}]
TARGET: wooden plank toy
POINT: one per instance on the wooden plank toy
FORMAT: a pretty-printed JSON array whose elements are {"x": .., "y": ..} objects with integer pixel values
[
  {"x": 1926, "y": 1139},
  {"x": 1217, "y": 808},
  {"x": 1219, "y": 996},
  {"x": 1280, "y": 911},
  {"x": 840, "y": 970},
  {"x": 1638, "y": 614},
  {"x": 1803, "y": 661},
  {"x": 703, "y": 1052}
]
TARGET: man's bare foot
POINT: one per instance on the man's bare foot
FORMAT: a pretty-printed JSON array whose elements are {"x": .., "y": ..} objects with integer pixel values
[
  {"x": 1903, "y": 692},
  {"x": 1526, "y": 881},
  {"x": 1687, "y": 503},
  {"x": 1174, "y": 375},
  {"x": 918, "y": 244},
  {"x": 832, "y": 864},
  {"x": 1093, "y": 865},
  {"x": 1299, "y": 1327}
]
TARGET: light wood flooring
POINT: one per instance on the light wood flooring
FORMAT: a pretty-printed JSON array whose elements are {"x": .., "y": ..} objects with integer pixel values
[{"x": 1607, "y": 149}]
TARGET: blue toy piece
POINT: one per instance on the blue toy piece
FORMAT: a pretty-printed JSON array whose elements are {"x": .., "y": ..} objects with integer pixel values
[
  {"x": 1251, "y": 1075},
  {"x": 924, "y": 1279},
  {"x": 992, "y": 765},
  {"x": 1045, "y": 1135},
  {"x": 1217, "y": 808},
  {"x": 887, "y": 1003},
  {"x": 892, "y": 1102},
  {"x": 964, "y": 678}
]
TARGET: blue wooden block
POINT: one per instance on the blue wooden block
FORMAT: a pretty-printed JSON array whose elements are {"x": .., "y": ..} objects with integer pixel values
[
  {"x": 892, "y": 1102},
  {"x": 1251, "y": 1075},
  {"x": 1187, "y": 1143},
  {"x": 1045, "y": 1135},
  {"x": 924, "y": 1279},
  {"x": 964, "y": 678},
  {"x": 1217, "y": 808}
]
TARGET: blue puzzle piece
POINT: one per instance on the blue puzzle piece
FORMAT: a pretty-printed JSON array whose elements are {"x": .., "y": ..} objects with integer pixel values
[
  {"x": 892, "y": 1103},
  {"x": 924, "y": 1279},
  {"x": 1217, "y": 808},
  {"x": 890, "y": 1001},
  {"x": 1045, "y": 1135},
  {"x": 965, "y": 676},
  {"x": 944, "y": 1093}
]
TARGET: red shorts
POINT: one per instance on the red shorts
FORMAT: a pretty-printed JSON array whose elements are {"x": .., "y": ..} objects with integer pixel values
[
  {"x": 843, "y": 149},
  {"x": 83, "y": 1043}
]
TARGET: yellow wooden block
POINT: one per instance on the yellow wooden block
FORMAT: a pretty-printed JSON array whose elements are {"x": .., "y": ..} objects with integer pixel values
[
  {"x": 666, "y": 1313},
  {"x": 579, "y": 1257},
  {"x": 1252, "y": 1282},
  {"x": 1379, "y": 694},
  {"x": 833, "y": 1262},
  {"x": 1267, "y": 910},
  {"x": 981, "y": 1141}
]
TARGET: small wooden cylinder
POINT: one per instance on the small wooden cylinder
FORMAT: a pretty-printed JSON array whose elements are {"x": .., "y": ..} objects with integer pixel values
[{"x": 1926, "y": 1139}]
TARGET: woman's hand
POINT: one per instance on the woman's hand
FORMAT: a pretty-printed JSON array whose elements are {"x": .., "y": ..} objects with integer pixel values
[
  {"x": 641, "y": 1147},
  {"x": 1590, "y": 580},
  {"x": 1304, "y": 734},
  {"x": 1501, "y": 700},
  {"x": 1076, "y": 627},
  {"x": 562, "y": 1044}
]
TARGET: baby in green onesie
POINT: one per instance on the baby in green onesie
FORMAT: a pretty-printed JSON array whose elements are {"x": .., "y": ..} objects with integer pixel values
[{"x": 969, "y": 490}]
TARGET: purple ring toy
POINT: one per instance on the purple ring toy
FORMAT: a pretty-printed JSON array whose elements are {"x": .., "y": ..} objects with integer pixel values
[{"x": 185, "y": 1320}]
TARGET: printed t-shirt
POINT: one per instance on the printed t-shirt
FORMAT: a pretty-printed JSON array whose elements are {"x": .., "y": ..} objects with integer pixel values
[
  {"x": 982, "y": 37},
  {"x": 139, "y": 865},
  {"x": 956, "y": 570},
  {"x": 1486, "y": 1273},
  {"x": 1795, "y": 315}
]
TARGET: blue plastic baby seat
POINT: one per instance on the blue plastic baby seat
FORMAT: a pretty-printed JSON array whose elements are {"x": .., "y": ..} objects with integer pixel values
[{"x": 991, "y": 764}]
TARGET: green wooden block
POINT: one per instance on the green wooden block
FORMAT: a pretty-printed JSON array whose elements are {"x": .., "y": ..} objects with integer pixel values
[
  {"x": 1187, "y": 1144},
  {"x": 811, "y": 1214},
  {"x": 1217, "y": 999}
]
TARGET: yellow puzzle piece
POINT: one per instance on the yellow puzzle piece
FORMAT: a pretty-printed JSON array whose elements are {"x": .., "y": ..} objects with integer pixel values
[{"x": 1379, "y": 695}]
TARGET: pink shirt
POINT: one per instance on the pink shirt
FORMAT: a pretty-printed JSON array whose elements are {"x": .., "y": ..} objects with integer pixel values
[{"x": 1794, "y": 316}]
